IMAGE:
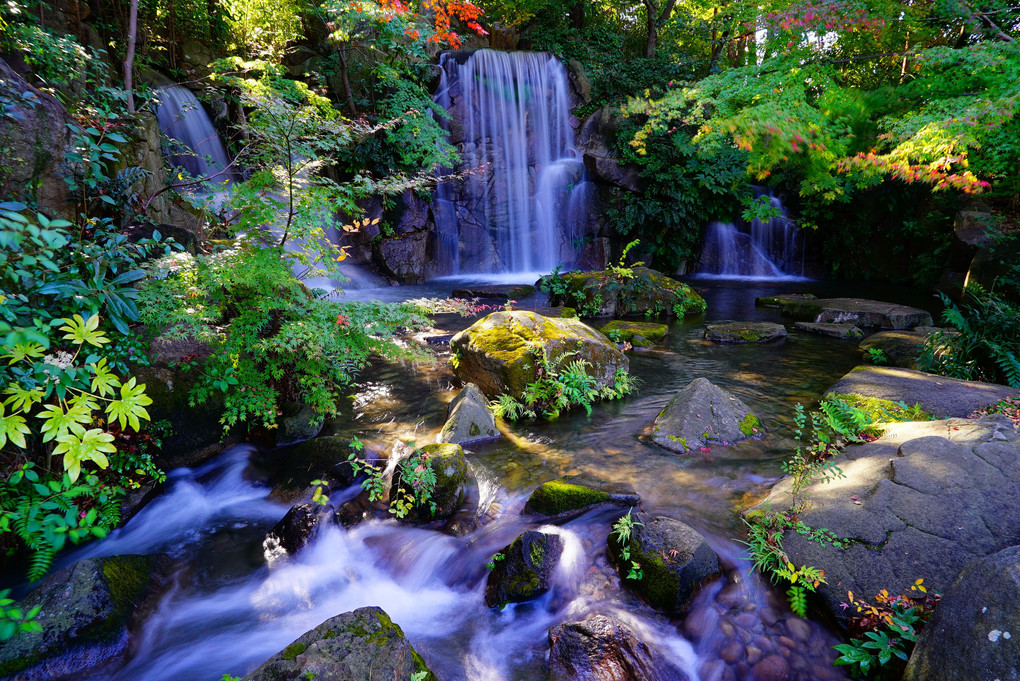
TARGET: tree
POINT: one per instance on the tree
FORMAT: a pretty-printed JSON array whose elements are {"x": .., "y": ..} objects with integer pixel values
[{"x": 655, "y": 19}]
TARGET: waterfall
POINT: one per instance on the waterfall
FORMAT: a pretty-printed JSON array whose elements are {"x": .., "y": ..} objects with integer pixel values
[
  {"x": 762, "y": 249},
  {"x": 194, "y": 143},
  {"x": 510, "y": 122}
]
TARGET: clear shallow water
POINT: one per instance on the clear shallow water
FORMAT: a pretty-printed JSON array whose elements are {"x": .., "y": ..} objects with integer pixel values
[{"x": 230, "y": 609}]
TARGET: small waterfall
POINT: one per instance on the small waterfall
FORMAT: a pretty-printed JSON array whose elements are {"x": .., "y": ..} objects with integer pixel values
[
  {"x": 195, "y": 144},
  {"x": 763, "y": 249},
  {"x": 511, "y": 125}
]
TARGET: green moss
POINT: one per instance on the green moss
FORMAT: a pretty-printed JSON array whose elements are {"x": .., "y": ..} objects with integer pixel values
[
  {"x": 879, "y": 410},
  {"x": 681, "y": 440},
  {"x": 293, "y": 650},
  {"x": 748, "y": 335},
  {"x": 558, "y": 496},
  {"x": 537, "y": 553},
  {"x": 627, "y": 330},
  {"x": 750, "y": 424}
]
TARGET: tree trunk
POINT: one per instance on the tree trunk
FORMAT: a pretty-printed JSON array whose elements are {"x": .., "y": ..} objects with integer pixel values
[
  {"x": 577, "y": 15},
  {"x": 348, "y": 92},
  {"x": 129, "y": 56}
]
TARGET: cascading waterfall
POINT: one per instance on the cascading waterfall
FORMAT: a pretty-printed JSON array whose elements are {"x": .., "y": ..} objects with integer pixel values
[
  {"x": 511, "y": 125},
  {"x": 763, "y": 249},
  {"x": 195, "y": 144}
]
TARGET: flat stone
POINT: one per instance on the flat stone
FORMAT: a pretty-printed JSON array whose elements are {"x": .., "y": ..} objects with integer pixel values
[
  {"x": 782, "y": 299},
  {"x": 901, "y": 348},
  {"x": 745, "y": 332},
  {"x": 495, "y": 291},
  {"x": 856, "y": 311},
  {"x": 937, "y": 395},
  {"x": 848, "y": 331},
  {"x": 625, "y": 330}
]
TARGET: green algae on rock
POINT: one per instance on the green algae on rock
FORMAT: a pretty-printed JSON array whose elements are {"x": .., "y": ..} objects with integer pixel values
[
  {"x": 745, "y": 332},
  {"x": 607, "y": 293},
  {"x": 524, "y": 571},
  {"x": 628, "y": 330},
  {"x": 578, "y": 493},
  {"x": 447, "y": 461}
]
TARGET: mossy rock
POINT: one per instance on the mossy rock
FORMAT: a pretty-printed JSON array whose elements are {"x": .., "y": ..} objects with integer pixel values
[
  {"x": 745, "y": 332},
  {"x": 321, "y": 458},
  {"x": 703, "y": 414},
  {"x": 783, "y": 299},
  {"x": 498, "y": 352},
  {"x": 610, "y": 293},
  {"x": 626, "y": 330},
  {"x": 884, "y": 411},
  {"x": 525, "y": 569},
  {"x": 448, "y": 462},
  {"x": 355, "y": 646},
  {"x": 675, "y": 560},
  {"x": 578, "y": 493},
  {"x": 88, "y": 611},
  {"x": 298, "y": 422}
]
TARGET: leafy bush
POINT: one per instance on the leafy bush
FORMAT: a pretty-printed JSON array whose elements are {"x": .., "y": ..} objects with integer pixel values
[
  {"x": 624, "y": 529},
  {"x": 418, "y": 479}
]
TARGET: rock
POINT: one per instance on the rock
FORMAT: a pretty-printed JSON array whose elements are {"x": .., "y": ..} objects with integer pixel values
[
  {"x": 607, "y": 294},
  {"x": 901, "y": 348},
  {"x": 470, "y": 419},
  {"x": 497, "y": 352},
  {"x": 783, "y": 299},
  {"x": 974, "y": 632},
  {"x": 321, "y": 458},
  {"x": 920, "y": 502},
  {"x": 89, "y": 612},
  {"x": 450, "y": 467},
  {"x": 579, "y": 80},
  {"x": 674, "y": 558},
  {"x": 604, "y": 649},
  {"x": 579, "y": 493},
  {"x": 745, "y": 332},
  {"x": 299, "y": 422},
  {"x": 848, "y": 331},
  {"x": 35, "y": 138},
  {"x": 359, "y": 645},
  {"x": 937, "y": 395},
  {"x": 627, "y": 331},
  {"x": 702, "y": 414},
  {"x": 611, "y": 171},
  {"x": 498, "y": 291},
  {"x": 856, "y": 311},
  {"x": 771, "y": 668},
  {"x": 294, "y": 531},
  {"x": 526, "y": 568}
]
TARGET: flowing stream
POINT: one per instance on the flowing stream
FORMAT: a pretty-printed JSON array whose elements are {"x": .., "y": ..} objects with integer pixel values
[
  {"x": 195, "y": 145},
  {"x": 233, "y": 606}
]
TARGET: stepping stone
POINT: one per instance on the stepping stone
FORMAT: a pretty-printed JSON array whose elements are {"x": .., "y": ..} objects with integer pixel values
[
  {"x": 848, "y": 331},
  {"x": 745, "y": 332},
  {"x": 782, "y": 299},
  {"x": 635, "y": 331},
  {"x": 856, "y": 311}
]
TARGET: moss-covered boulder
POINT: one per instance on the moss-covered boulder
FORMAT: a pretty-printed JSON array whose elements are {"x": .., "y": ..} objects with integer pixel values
[
  {"x": 701, "y": 415},
  {"x": 89, "y": 611},
  {"x": 355, "y": 646},
  {"x": 469, "y": 418},
  {"x": 298, "y": 422},
  {"x": 638, "y": 334},
  {"x": 612, "y": 293},
  {"x": 675, "y": 560},
  {"x": 499, "y": 353},
  {"x": 578, "y": 493},
  {"x": 450, "y": 467},
  {"x": 745, "y": 332},
  {"x": 524, "y": 570}
]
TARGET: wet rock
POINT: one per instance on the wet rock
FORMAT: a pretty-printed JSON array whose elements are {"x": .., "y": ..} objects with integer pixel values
[
  {"x": 352, "y": 512},
  {"x": 937, "y": 395},
  {"x": 498, "y": 352},
  {"x": 771, "y": 668},
  {"x": 700, "y": 623},
  {"x": 299, "y": 422},
  {"x": 295, "y": 529},
  {"x": 525, "y": 570},
  {"x": 702, "y": 414},
  {"x": 974, "y": 632},
  {"x": 450, "y": 467},
  {"x": 321, "y": 458},
  {"x": 628, "y": 331},
  {"x": 603, "y": 649},
  {"x": 579, "y": 493},
  {"x": 606, "y": 294},
  {"x": 922, "y": 501},
  {"x": 848, "y": 331},
  {"x": 732, "y": 652},
  {"x": 89, "y": 612},
  {"x": 674, "y": 558},
  {"x": 799, "y": 629},
  {"x": 497, "y": 291},
  {"x": 780, "y": 300},
  {"x": 469, "y": 418},
  {"x": 745, "y": 332},
  {"x": 856, "y": 311},
  {"x": 359, "y": 645}
]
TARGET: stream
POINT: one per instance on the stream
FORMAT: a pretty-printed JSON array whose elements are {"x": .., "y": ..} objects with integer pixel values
[{"x": 232, "y": 607}]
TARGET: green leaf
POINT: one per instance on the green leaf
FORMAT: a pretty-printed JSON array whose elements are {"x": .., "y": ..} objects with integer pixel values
[
  {"x": 81, "y": 331},
  {"x": 131, "y": 405},
  {"x": 13, "y": 428},
  {"x": 92, "y": 446},
  {"x": 104, "y": 381},
  {"x": 57, "y": 422}
]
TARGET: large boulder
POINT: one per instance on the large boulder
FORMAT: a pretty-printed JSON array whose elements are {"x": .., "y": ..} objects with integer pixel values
[
  {"x": 604, "y": 649},
  {"x": 575, "y": 494},
  {"x": 920, "y": 502},
  {"x": 448, "y": 464},
  {"x": 609, "y": 293},
  {"x": 355, "y": 646},
  {"x": 675, "y": 559},
  {"x": 525, "y": 570},
  {"x": 745, "y": 332},
  {"x": 974, "y": 632},
  {"x": 498, "y": 353},
  {"x": 470, "y": 418},
  {"x": 297, "y": 423},
  {"x": 639, "y": 334},
  {"x": 937, "y": 395},
  {"x": 89, "y": 612},
  {"x": 856, "y": 311},
  {"x": 704, "y": 414}
]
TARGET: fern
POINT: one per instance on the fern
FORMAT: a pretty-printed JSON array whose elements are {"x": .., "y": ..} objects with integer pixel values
[
  {"x": 797, "y": 597},
  {"x": 42, "y": 559}
]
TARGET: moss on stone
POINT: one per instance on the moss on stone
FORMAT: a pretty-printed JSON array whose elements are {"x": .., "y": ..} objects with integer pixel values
[
  {"x": 879, "y": 410},
  {"x": 293, "y": 650},
  {"x": 557, "y": 496},
  {"x": 627, "y": 330},
  {"x": 750, "y": 424}
]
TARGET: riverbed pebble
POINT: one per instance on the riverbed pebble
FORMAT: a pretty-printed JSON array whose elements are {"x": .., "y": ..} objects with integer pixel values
[
  {"x": 799, "y": 629},
  {"x": 772, "y": 668}
]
